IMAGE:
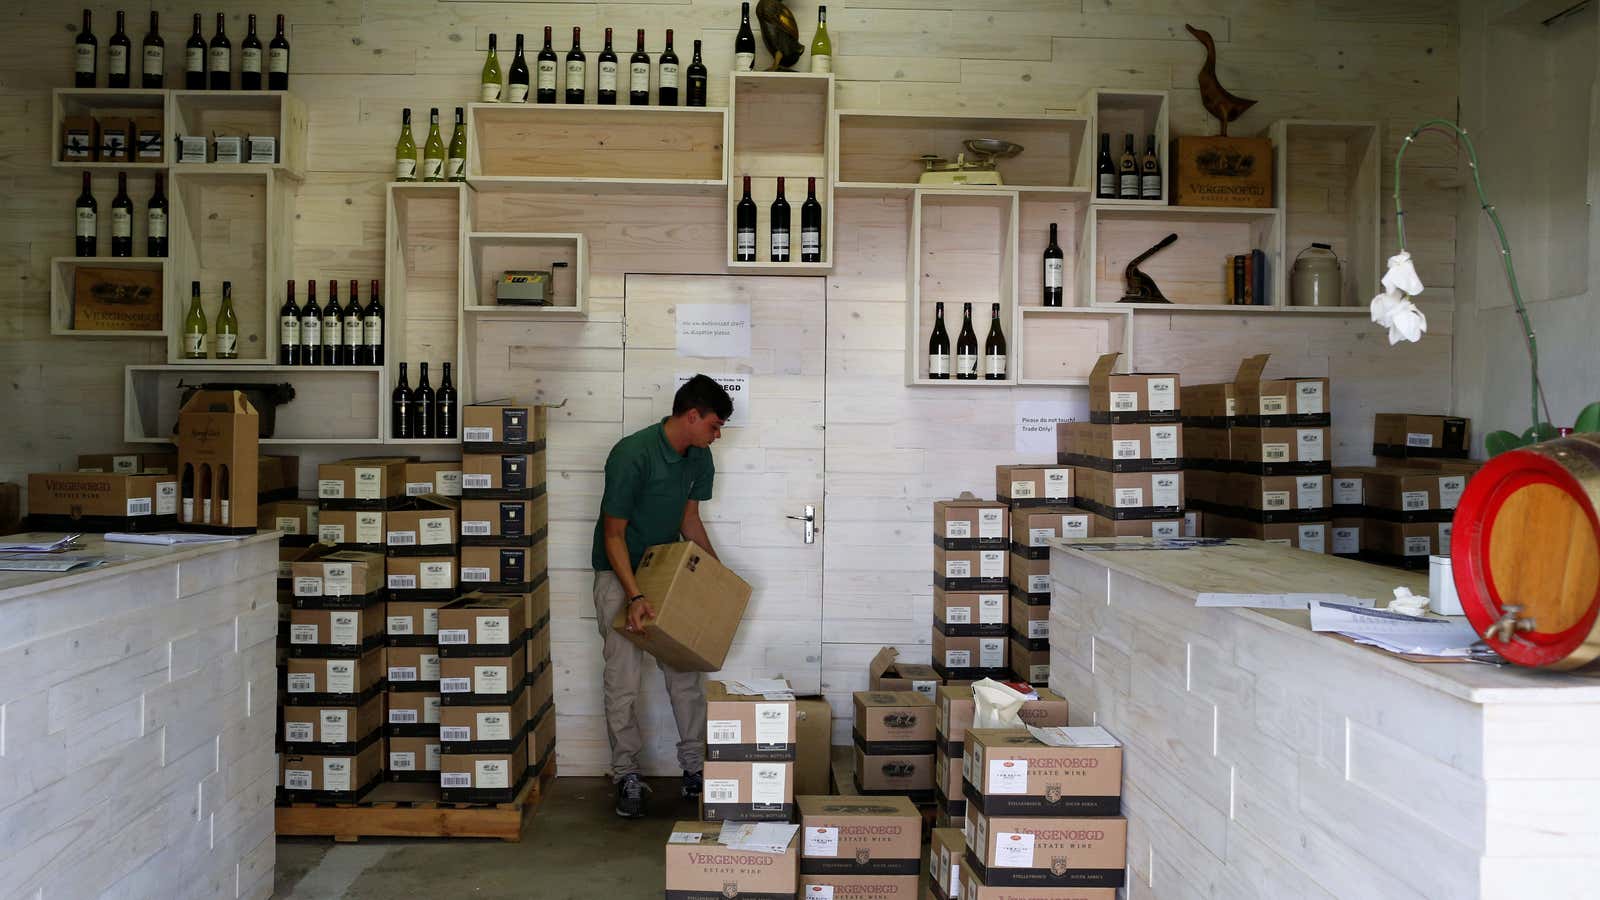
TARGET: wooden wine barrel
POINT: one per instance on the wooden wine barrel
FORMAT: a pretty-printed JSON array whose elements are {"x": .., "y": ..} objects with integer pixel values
[{"x": 1526, "y": 553}]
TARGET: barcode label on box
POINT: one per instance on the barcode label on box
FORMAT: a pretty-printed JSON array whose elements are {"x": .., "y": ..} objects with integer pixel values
[
  {"x": 307, "y": 586},
  {"x": 139, "y": 506},
  {"x": 1411, "y": 501},
  {"x": 1124, "y": 449},
  {"x": 455, "y": 733},
  {"x": 454, "y": 636},
  {"x": 474, "y": 574},
  {"x": 402, "y": 762},
  {"x": 1418, "y": 545},
  {"x": 297, "y": 779},
  {"x": 330, "y": 489},
  {"x": 287, "y": 524},
  {"x": 1274, "y": 499},
  {"x": 302, "y": 683},
  {"x": 991, "y": 523},
  {"x": 402, "y": 716},
  {"x": 1124, "y": 401},
  {"x": 955, "y": 529},
  {"x": 399, "y": 625},
  {"x": 1274, "y": 452},
  {"x": 1450, "y": 489},
  {"x": 455, "y": 685},
  {"x": 958, "y": 615},
  {"x": 1308, "y": 398},
  {"x": 303, "y": 633},
  {"x": 1129, "y": 497},
  {"x": 484, "y": 529},
  {"x": 402, "y": 538},
  {"x": 402, "y": 673},
  {"x": 991, "y": 609},
  {"x": 1022, "y": 490},
  {"x": 958, "y": 568},
  {"x": 1413, "y": 439},
  {"x": 724, "y": 731},
  {"x": 1274, "y": 406},
  {"x": 1039, "y": 537},
  {"x": 1038, "y": 584},
  {"x": 477, "y": 481},
  {"x": 330, "y": 534},
  {"x": 455, "y": 779},
  {"x": 1038, "y": 629},
  {"x": 477, "y": 435},
  {"x": 722, "y": 790},
  {"x": 402, "y": 582},
  {"x": 958, "y": 659},
  {"x": 418, "y": 488},
  {"x": 300, "y": 732}
]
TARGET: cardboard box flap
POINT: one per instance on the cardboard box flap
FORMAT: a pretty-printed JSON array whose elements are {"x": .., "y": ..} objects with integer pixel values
[
  {"x": 966, "y": 500},
  {"x": 882, "y": 661},
  {"x": 1251, "y": 369},
  {"x": 1102, "y": 368},
  {"x": 219, "y": 402}
]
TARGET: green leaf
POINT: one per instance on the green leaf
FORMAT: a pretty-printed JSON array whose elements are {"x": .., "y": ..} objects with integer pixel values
[
  {"x": 1588, "y": 420},
  {"x": 1540, "y": 433},
  {"x": 1498, "y": 442}
]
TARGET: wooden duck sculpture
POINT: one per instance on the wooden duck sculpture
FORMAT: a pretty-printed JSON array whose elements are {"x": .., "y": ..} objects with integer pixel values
[
  {"x": 780, "y": 33},
  {"x": 1213, "y": 96}
]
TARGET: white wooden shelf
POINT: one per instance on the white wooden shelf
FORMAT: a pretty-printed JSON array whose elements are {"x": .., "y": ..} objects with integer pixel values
[
  {"x": 962, "y": 249},
  {"x": 1056, "y": 346},
  {"x": 422, "y": 442},
  {"x": 1119, "y": 112},
  {"x": 486, "y": 254},
  {"x": 530, "y": 184},
  {"x": 424, "y": 251},
  {"x": 601, "y": 147},
  {"x": 332, "y": 404},
  {"x": 1342, "y": 159},
  {"x": 880, "y": 149},
  {"x": 109, "y": 166},
  {"x": 780, "y": 125}
]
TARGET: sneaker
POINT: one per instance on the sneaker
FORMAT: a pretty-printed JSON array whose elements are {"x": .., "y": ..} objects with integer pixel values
[
  {"x": 694, "y": 784},
  {"x": 630, "y": 796}
]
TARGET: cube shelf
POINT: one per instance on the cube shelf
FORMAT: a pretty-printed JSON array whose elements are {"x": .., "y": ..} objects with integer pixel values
[
  {"x": 276, "y": 114},
  {"x": 487, "y": 254},
  {"x": 963, "y": 250},
  {"x": 1190, "y": 272},
  {"x": 782, "y": 126},
  {"x": 422, "y": 279},
  {"x": 101, "y": 103},
  {"x": 1326, "y": 180},
  {"x": 1118, "y": 113},
  {"x": 566, "y": 148},
  {"x": 1058, "y": 346},
  {"x": 332, "y": 404},
  {"x": 879, "y": 150},
  {"x": 63, "y": 272}
]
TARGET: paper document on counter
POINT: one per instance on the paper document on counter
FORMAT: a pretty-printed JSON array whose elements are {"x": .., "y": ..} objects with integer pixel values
[
  {"x": 767, "y": 688},
  {"x": 1397, "y": 632},
  {"x": 757, "y": 837},
  {"x": 170, "y": 539},
  {"x": 38, "y": 542},
  {"x": 39, "y": 562},
  {"x": 1277, "y": 601}
]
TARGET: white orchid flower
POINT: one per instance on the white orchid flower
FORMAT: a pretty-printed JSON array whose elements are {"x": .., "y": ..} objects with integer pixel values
[{"x": 1393, "y": 308}]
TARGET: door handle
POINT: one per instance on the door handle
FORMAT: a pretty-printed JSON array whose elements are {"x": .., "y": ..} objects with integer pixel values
[{"x": 810, "y": 518}]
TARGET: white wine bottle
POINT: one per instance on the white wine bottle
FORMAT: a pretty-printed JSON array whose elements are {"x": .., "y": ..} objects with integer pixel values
[
  {"x": 1128, "y": 171},
  {"x": 456, "y": 165},
  {"x": 405, "y": 151},
  {"x": 821, "y": 45},
  {"x": 433, "y": 151},
  {"x": 490, "y": 92},
  {"x": 1150, "y": 171},
  {"x": 227, "y": 325},
  {"x": 194, "y": 326}
]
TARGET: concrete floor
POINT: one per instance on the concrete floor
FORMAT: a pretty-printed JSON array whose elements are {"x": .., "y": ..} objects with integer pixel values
[{"x": 574, "y": 847}]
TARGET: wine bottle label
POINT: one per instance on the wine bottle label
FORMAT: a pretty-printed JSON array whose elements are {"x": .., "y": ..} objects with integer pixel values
[
  {"x": 490, "y": 92},
  {"x": 1150, "y": 187},
  {"x": 83, "y": 58},
  {"x": 821, "y": 63},
  {"x": 744, "y": 62},
  {"x": 1130, "y": 184},
  {"x": 226, "y": 344},
  {"x": 432, "y": 168},
  {"x": 454, "y": 166},
  {"x": 939, "y": 364},
  {"x": 121, "y": 223},
  {"x": 155, "y": 60},
  {"x": 516, "y": 92},
  {"x": 372, "y": 328},
  {"x": 747, "y": 243},
  {"x": 331, "y": 332},
  {"x": 158, "y": 223},
  {"x": 221, "y": 60},
  {"x": 810, "y": 241},
  {"x": 311, "y": 331},
  {"x": 995, "y": 365},
  {"x": 575, "y": 75},
  {"x": 352, "y": 332},
  {"x": 1108, "y": 184},
  {"x": 966, "y": 364},
  {"x": 639, "y": 78},
  {"x": 194, "y": 59},
  {"x": 117, "y": 59},
  {"x": 1053, "y": 269},
  {"x": 608, "y": 76},
  {"x": 405, "y": 167},
  {"x": 780, "y": 244},
  {"x": 547, "y": 74},
  {"x": 669, "y": 75},
  {"x": 278, "y": 61},
  {"x": 289, "y": 330},
  {"x": 250, "y": 60},
  {"x": 86, "y": 222},
  {"x": 194, "y": 344}
]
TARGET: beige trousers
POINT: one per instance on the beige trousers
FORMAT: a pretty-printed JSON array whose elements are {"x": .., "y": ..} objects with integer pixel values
[{"x": 624, "y": 664}]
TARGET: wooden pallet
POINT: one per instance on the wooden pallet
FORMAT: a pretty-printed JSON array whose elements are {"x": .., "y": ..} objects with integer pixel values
[{"x": 401, "y": 809}]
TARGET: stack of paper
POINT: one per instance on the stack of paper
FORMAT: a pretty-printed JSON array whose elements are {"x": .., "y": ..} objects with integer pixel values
[
  {"x": 768, "y": 688},
  {"x": 47, "y": 562},
  {"x": 757, "y": 837},
  {"x": 38, "y": 542},
  {"x": 170, "y": 539},
  {"x": 1276, "y": 601},
  {"x": 1397, "y": 632},
  {"x": 1073, "y": 736}
]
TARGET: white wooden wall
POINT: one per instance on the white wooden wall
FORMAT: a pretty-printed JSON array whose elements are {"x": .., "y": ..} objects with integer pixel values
[{"x": 356, "y": 65}]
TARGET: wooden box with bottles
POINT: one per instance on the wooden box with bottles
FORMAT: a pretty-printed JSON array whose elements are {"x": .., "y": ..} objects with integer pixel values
[
  {"x": 965, "y": 253},
  {"x": 422, "y": 272},
  {"x": 782, "y": 127},
  {"x": 1130, "y": 124}
]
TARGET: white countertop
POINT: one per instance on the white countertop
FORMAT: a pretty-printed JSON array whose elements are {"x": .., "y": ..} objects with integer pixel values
[
  {"x": 127, "y": 558},
  {"x": 1256, "y": 567}
]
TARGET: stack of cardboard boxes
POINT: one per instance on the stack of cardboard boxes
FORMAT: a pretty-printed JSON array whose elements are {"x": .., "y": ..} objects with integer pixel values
[
  {"x": 955, "y": 710},
  {"x": 1043, "y": 815},
  {"x": 1259, "y": 457},
  {"x": 1039, "y": 500},
  {"x": 1399, "y": 512},
  {"x": 1128, "y": 456},
  {"x": 971, "y": 539},
  {"x": 504, "y": 506},
  {"x": 859, "y": 847},
  {"x": 751, "y": 746},
  {"x": 893, "y": 732}
]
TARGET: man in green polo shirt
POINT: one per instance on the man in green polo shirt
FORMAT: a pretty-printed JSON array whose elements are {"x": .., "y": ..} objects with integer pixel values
[{"x": 655, "y": 480}]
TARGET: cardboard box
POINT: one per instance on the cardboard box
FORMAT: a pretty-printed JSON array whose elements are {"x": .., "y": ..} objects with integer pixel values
[
  {"x": 1410, "y": 435},
  {"x": 860, "y": 887},
  {"x": 1208, "y": 488},
  {"x": 69, "y": 501},
  {"x": 482, "y": 777},
  {"x": 871, "y": 836},
  {"x": 1299, "y": 400},
  {"x": 430, "y": 527},
  {"x": 542, "y": 741},
  {"x": 1143, "y": 397},
  {"x": 748, "y": 792},
  {"x": 1128, "y": 447},
  {"x": 413, "y": 668},
  {"x": 956, "y": 709},
  {"x": 1309, "y": 536},
  {"x": 1047, "y": 851},
  {"x": 515, "y": 569},
  {"x": 442, "y": 478},
  {"x": 412, "y": 622},
  {"x": 483, "y": 728},
  {"x": 10, "y": 507},
  {"x": 1029, "y": 661},
  {"x": 480, "y": 680},
  {"x": 353, "y": 529},
  {"x": 1219, "y": 170},
  {"x": 1404, "y": 544},
  {"x": 908, "y": 774},
  {"x": 947, "y": 782},
  {"x": 1010, "y": 772},
  {"x": 1411, "y": 495},
  {"x": 1272, "y": 498},
  {"x": 968, "y": 523},
  {"x": 1281, "y": 450},
  {"x": 1030, "y": 578},
  {"x": 277, "y": 478},
  {"x": 969, "y": 570},
  {"x": 1193, "y": 523},
  {"x": 1165, "y": 527},
  {"x": 969, "y": 613},
  {"x": 973, "y": 888},
  {"x": 946, "y": 849},
  {"x": 328, "y": 633},
  {"x": 423, "y": 575},
  {"x": 116, "y": 139},
  {"x": 414, "y": 712},
  {"x": 505, "y": 523},
  {"x": 129, "y": 463},
  {"x": 887, "y": 673},
  {"x": 414, "y": 759},
  {"x": 540, "y": 694},
  {"x": 969, "y": 658},
  {"x": 313, "y": 682},
  {"x": 80, "y": 139},
  {"x": 489, "y": 428},
  {"x": 1032, "y": 529},
  {"x": 1344, "y": 537},
  {"x": 484, "y": 625},
  {"x": 333, "y": 778},
  {"x": 1204, "y": 445},
  {"x": 371, "y": 483},
  {"x": 503, "y": 475},
  {"x": 352, "y": 578},
  {"x": 893, "y": 722},
  {"x": 814, "y": 737},
  {"x": 333, "y": 729},
  {"x": 698, "y": 603},
  {"x": 1130, "y": 495},
  {"x": 292, "y": 518},
  {"x": 748, "y": 728},
  {"x": 147, "y": 139},
  {"x": 1211, "y": 405},
  {"x": 219, "y": 432},
  {"x": 699, "y": 866},
  {"x": 1033, "y": 485},
  {"x": 1030, "y": 623}
]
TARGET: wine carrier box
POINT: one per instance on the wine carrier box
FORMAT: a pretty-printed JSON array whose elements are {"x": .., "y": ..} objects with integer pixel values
[
  {"x": 1049, "y": 851},
  {"x": 748, "y": 792},
  {"x": 219, "y": 444},
  {"x": 968, "y": 614},
  {"x": 375, "y": 483},
  {"x": 1009, "y": 772},
  {"x": 427, "y": 527},
  {"x": 698, "y": 605},
  {"x": 1142, "y": 397},
  {"x": 1033, "y": 528},
  {"x": 496, "y": 428},
  {"x": 129, "y": 463},
  {"x": 1219, "y": 170},
  {"x": 748, "y": 727},
  {"x": 332, "y": 730},
  {"x": 698, "y": 865},
  {"x": 1128, "y": 447},
  {"x": 503, "y": 475},
  {"x": 73, "y": 501},
  {"x": 873, "y": 845},
  {"x": 505, "y": 523},
  {"x": 1407, "y": 435},
  {"x": 442, "y": 478},
  {"x": 1022, "y": 486},
  {"x": 1261, "y": 401},
  {"x": 331, "y": 779},
  {"x": 968, "y": 523},
  {"x": 885, "y": 672},
  {"x": 504, "y": 569}
]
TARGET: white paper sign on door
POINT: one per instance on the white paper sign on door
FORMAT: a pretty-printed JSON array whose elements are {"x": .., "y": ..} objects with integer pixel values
[
  {"x": 1036, "y": 423},
  {"x": 737, "y": 384},
  {"x": 717, "y": 330}
]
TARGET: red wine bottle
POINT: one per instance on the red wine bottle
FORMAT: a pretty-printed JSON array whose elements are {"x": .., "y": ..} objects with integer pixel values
[
  {"x": 639, "y": 74},
  {"x": 250, "y": 58},
  {"x": 606, "y": 75},
  {"x": 400, "y": 425},
  {"x": 447, "y": 405},
  {"x": 118, "y": 51},
  {"x": 278, "y": 61},
  {"x": 311, "y": 329},
  {"x": 811, "y": 225},
  {"x": 219, "y": 58},
  {"x": 85, "y": 55},
  {"x": 122, "y": 219},
  {"x": 194, "y": 59},
  {"x": 667, "y": 90},
  {"x": 423, "y": 415},
  {"x": 372, "y": 328},
  {"x": 87, "y": 223},
  {"x": 355, "y": 351},
  {"x": 779, "y": 232},
  {"x": 745, "y": 227},
  {"x": 289, "y": 330}
]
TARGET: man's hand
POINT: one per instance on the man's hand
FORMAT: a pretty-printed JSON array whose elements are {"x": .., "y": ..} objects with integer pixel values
[{"x": 638, "y": 612}]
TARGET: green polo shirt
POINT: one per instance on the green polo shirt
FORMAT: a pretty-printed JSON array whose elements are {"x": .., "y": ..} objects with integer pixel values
[{"x": 649, "y": 484}]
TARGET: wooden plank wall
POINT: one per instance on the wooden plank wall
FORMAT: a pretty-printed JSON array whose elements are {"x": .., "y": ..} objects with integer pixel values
[{"x": 890, "y": 450}]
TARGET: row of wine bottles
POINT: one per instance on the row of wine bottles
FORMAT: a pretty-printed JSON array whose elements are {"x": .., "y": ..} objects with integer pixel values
[
  {"x": 575, "y": 75},
  {"x": 1131, "y": 177},
  {"x": 206, "y": 65},
  {"x": 966, "y": 355},
  {"x": 779, "y": 221},
  {"x": 438, "y": 164},
  {"x": 226, "y": 345},
  {"x": 420, "y": 412},
  {"x": 313, "y": 335},
  {"x": 86, "y": 213}
]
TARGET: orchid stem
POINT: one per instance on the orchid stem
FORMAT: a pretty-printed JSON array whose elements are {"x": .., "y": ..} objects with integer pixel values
[{"x": 1538, "y": 398}]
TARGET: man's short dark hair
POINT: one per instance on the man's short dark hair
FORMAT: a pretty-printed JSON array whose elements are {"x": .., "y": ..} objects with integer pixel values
[{"x": 705, "y": 396}]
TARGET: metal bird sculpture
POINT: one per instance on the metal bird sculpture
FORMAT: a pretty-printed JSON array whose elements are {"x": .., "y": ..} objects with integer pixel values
[
  {"x": 780, "y": 33},
  {"x": 1213, "y": 96}
]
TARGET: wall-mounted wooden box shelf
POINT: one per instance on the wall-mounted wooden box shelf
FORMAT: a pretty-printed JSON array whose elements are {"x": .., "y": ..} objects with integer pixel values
[
  {"x": 63, "y": 274},
  {"x": 242, "y": 113},
  {"x": 104, "y": 104},
  {"x": 1326, "y": 183},
  {"x": 1058, "y": 346},
  {"x": 782, "y": 126},
  {"x": 422, "y": 281},
  {"x": 1193, "y": 271},
  {"x": 488, "y": 254},
  {"x": 963, "y": 250},
  {"x": 879, "y": 150},
  {"x": 332, "y": 404},
  {"x": 535, "y": 147},
  {"x": 1119, "y": 113}
]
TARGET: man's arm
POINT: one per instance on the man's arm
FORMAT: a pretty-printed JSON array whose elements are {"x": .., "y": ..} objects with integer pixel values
[
  {"x": 694, "y": 529},
  {"x": 616, "y": 543}
]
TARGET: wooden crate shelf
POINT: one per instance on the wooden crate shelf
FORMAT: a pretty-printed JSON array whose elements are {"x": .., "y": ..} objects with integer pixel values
[
  {"x": 782, "y": 125},
  {"x": 1121, "y": 112},
  {"x": 415, "y": 811},
  {"x": 1058, "y": 346},
  {"x": 963, "y": 249},
  {"x": 1191, "y": 271},
  {"x": 276, "y": 114},
  {"x": 101, "y": 104},
  {"x": 1326, "y": 181},
  {"x": 487, "y": 254},
  {"x": 63, "y": 270},
  {"x": 879, "y": 150},
  {"x": 603, "y": 144},
  {"x": 332, "y": 405},
  {"x": 424, "y": 229}
]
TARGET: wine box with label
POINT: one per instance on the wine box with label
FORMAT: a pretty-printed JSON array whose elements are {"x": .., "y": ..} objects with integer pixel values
[
  {"x": 505, "y": 523},
  {"x": 312, "y": 778},
  {"x": 1047, "y": 851},
  {"x": 1033, "y": 485},
  {"x": 414, "y": 759},
  {"x": 99, "y": 502},
  {"x": 905, "y": 774},
  {"x": 416, "y": 577},
  {"x": 893, "y": 722},
  {"x": 969, "y": 613},
  {"x": 1011, "y": 772},
  {"x": 107, "y": 298},
  {"x": 698, "y": 865},
  {"x": 1407, "y": 435},
  {"x": 967, "y": 659},
  {"x": 861, "y": 836},
  {"x": 1406, "y": 545},
  {"x": 481, "y": 624},
  {"x": 482, "y": 777},
  {"x": 947, "y": 796},
  {"x": 698, "y": 604},
  {"x": 504, "y": 569},
  {"x": 219, "y": 449},
  {"x": 295, "y": 520},
  {"x": 1219, "y": 170},
  {"x": 414, "y": 713},
  {"x": 970, "y": 570},
  {"x": 748, "y": 792},
  {"x": 337, "y": 579},
  {"x": 968, "y": 523},
  {"x": 1033, "y": 528},
  {"x": 1030, "y": 664},
  {"x": 1281, "y": 450},
  {"x": 945, "y": 851},
  {"x": 1127, "y": 447},
  {"x": 1264, "y": 498},
  {"x": 335, "y": 633},
  {"x": 1030, "y": 580},
  {"x": 481, "y": 680},
  {"x": 495, "y": 428},
  {"x": 1210, "y": 405},
  {"x": 353, "y": 529},
  {"x": 129, "y": 463},
  {"x": 337, "y": 730},
  {"x": 748, "y": 727},
  {"x": 1311, "y": 536},
  {"x": 503, "y": 475},
  {"x": 443, "y": 478},
  {"x": 376, "y": 483},
  {"x": 1030, "y": 624},
  {"x": 332, "y": 682},
  {"x": 887, "y": 672},
  {"x": 1161, "y": 527},
  {"x": 411, "y": 669},
  {"x": 1133, "y": 397},
  {"x": 484, "y": 728},
  {"x": 1278, "y": 401},
  {"x": 427, "y": 527},
  {"x": 1130, "y": 495}
]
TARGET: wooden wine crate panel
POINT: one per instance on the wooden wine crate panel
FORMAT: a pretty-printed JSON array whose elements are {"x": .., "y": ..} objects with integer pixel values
[
  {"x": 1194, "y": 269},
  {"x": 882, "y": 147},
  {"x": 597, "y": 142},
  {"x": 1060, "y": 346},
  {"x": 218, "y": 231},
  {"x": 1327, "y": 181},
  {"x": 415, "y": 811},
  {"x": 1038, "y": 211},
  {"x": 64, "y": 272}
]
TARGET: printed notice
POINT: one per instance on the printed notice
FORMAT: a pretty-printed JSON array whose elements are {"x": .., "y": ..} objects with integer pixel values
[
  {"x": 717, "y": 330},
  {"x": 737, "y": 384},
  {"x": 1008, "y": 776},
  {"x": 1036, "y": 423},
  {"x": 341, "y": 676},
  {"x": 1013, "y": 850},
  {"x": 821, "y": 842}
]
